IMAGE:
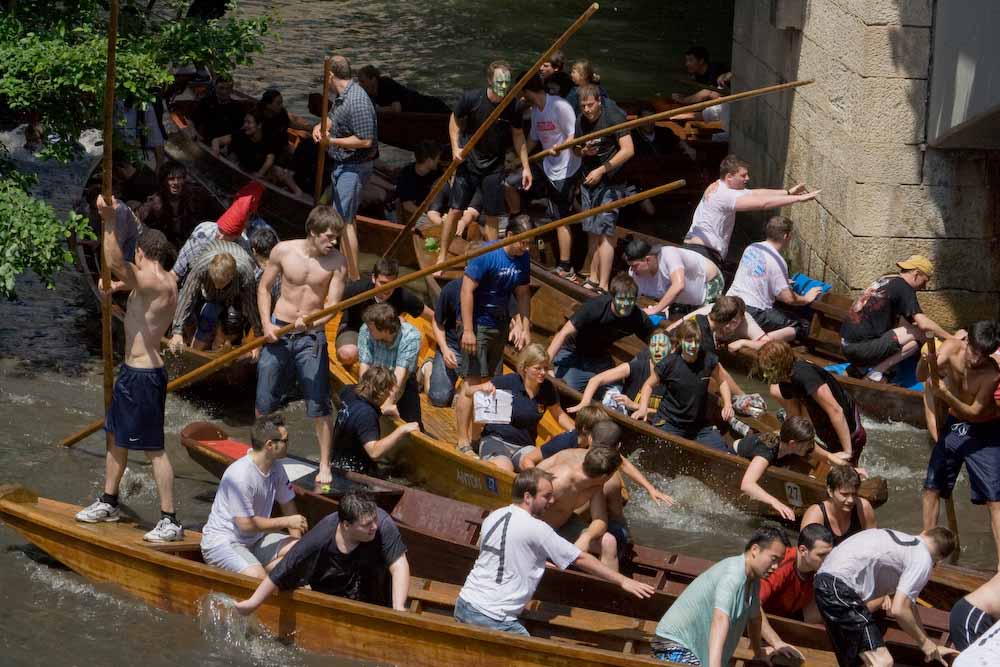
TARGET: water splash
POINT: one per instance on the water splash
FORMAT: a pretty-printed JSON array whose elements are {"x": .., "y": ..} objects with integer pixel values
[{"x": 221, "y": 625}]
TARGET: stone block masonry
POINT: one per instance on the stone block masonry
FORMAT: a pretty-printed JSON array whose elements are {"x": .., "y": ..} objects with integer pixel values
[{"x": 859, "y": 134}]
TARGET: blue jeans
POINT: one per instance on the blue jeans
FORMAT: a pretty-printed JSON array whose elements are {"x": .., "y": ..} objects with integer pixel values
[
  {"x": 349, "y": 179},
  {"x": 707, "y": 435},
  {"x": 443, "y": 379},
  {"x": 576, "y": 370},
  {"x": 303, "y": 354},
  {"x": 466, "y": 613}
]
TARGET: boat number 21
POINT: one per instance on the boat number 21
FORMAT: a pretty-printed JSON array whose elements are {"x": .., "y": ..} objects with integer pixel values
[{"x": 794, "y": 494}]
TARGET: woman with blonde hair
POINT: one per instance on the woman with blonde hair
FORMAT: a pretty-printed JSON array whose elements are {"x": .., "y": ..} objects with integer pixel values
[
  {"x": 532, "y": 394},
  {"x": 582, "y": 73}
]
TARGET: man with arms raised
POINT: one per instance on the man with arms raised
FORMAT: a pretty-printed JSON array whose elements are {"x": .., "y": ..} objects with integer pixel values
[
  {"x": 312, "y": 277},
  {"x": 706, "y": 622},
  {"x": 513, "y": 549},
  {"x": 971, "y": 434},
  {"x": 140, "y": 395},
  {"x": 240, "y": 534},
  {"x": 714, "y": 219},
  {"x": 879, "y": 570},
  {"x": 578, "y": 478},
  {"x": 347, "y": 554}
]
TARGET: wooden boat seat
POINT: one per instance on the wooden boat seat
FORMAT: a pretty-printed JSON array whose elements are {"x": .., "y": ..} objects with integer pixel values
[
  {"x": 829, "y": 313},
  {"x": 440, "y": 515}
]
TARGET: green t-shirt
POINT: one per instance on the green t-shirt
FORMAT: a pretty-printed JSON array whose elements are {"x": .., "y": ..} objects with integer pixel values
[{"x": 723, "y": 586}]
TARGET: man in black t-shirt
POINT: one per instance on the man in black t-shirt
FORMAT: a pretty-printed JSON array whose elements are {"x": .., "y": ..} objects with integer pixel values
[
  {"x": 417, "y": 178},
  {"x": 703, "y": 71},
  {"x": 387, "y": 94},
  {"x": 870, "y": 336},
  {"x": 346, "y": 554},
  {"x": 580, "y": 350},
  {"x": 483, "y": 167},
  {"x": 603, "y": 181},
  {"x": 218, "y": 114},
  {"x": 403, "y": 300}
]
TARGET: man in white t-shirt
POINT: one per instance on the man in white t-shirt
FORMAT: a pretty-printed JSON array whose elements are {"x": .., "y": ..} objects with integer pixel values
[
  {"x": 714, "y": 219},
  {"x": 878, "y": 570},
  {"x": 513, "y": 549},
  {"x": 553, "y": 122},
  {"x": 240, "y": 534},
  {"x": 762, "y": 279},
  {"x": 673, "y": 276}
]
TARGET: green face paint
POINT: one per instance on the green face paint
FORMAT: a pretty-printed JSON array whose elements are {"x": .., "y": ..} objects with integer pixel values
[
  {"x": 689, "y": 348},
  {"x": 501, "y": 82},
  {"x": 659, "y": 347},
  {"x": 624, "y": 305}
]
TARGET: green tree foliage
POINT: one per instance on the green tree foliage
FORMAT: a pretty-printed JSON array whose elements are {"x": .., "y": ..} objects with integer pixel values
[{"x": 52, "y": 70}]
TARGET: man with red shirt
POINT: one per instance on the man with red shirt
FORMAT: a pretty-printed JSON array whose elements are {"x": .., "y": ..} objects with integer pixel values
[{"x": 788, "y": 591}]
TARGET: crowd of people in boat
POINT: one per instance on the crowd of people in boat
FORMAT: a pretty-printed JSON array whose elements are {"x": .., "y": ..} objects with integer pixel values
[{"x": 233, "y": 276}]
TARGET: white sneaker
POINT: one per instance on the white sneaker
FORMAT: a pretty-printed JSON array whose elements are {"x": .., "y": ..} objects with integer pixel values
[
  {"x": 165, "y": 531},
  {"x": 98, "y": 512}
]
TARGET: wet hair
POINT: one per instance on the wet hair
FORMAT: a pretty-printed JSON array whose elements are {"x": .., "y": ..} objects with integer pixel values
[
  {"x": 155, "y": 246},
  {"x": 601, "y": 461},
  {"x": 385, "y": 266},
  {"x": 494, "y": 66},
  {"x": 324, "y": 219},
  {"x": 167, "y": 170},
  {"x": 698, "y": 51},
  {"x": 587, "y": 70},
  {"x": 383, "y": 317},
  {"x": 527, "y": 482},
  {"x": 943, "y": 538},
  {"x": 774, "y": 362},
  {"x": 813, "y": 533},
  {"x": 842, "y": 477},
  {"x": 222, "y": 269},
  {"x": 265, "y": 427},
  {"x": 765, "y": 536},
  {"x": 606, "y": 433},
  {"x": 518, "y": 224},
  {"x": 534, "y": 354},
  {"x": 376, "y": 384},
  {"x": 588, "y": 91},
  {"x": 588, "y": 417},
  {"x": 637, "y": 249},
  {"x": 269, "y": 95},
  {"x": 623, "y": 285},
  {"x": 534, "y": 82},
  {"x": 726, "y": 309},
  {"x": 263, "y": 240},
  {"x": 984, "y": 337},
  {"x": 340, "y": 67},
  {"x": 557, "y": 60},
  {"x": 356, "y": 506},
  {"x": 368, "y": 72},
  {"x": 425, "y": 150},
  {"x": 777, "y": 227},
  {"x": 731, "y": 164}
]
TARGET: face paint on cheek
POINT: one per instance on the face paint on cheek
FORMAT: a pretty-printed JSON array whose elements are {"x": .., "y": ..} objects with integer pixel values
[
  {"x": 624, "y": 306},
  {"x": 501, "y": 82},
  {"x": 659, "y": 347},
  {"x": 689, "y": 347}
]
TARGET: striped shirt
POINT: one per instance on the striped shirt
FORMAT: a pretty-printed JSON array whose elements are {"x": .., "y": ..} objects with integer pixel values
[
  {"x": 241, "y": 290},
  {"x": 402, "y": 353},
  {"x": 204, "y": 234},
  {"x": 353, "y": 114}
]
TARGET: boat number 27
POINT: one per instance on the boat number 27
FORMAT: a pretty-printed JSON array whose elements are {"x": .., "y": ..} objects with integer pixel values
[{"x": 793, "y": 493}]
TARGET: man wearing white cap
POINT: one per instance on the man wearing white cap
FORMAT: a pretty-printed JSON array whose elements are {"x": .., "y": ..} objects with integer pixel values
[{"x": 870, "y": 336}]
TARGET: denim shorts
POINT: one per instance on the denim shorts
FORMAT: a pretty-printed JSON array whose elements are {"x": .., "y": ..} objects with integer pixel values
[
  {"x": 466, "y": 613},
  {"x": 349, "y": 179},
  {"x": 304, "y": 354}
]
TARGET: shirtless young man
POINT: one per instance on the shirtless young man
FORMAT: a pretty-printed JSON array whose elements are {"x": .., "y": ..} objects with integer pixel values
[
  {"x": 312, "y": 275},
  {"x": 140, "y": 395},
  {"x": 578, "y": 479},
  {"x": 971, "y": 433}
]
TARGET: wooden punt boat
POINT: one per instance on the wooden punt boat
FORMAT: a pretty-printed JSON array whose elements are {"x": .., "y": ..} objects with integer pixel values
[
  {"x": 669, "y": 454},
  {"x": 441, "y": 536},
  {"x": 285, "y": 211}
]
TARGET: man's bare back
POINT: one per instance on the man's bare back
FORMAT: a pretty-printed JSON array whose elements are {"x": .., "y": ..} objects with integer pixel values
[
  {"x": 571, "y": 488},
  {"x": 312, "y": 277}
]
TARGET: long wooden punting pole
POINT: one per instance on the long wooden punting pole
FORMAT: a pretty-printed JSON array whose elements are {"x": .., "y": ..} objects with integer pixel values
[
  {"x": 474, "y": 139},
  {"x": 664, "y": 115},
  {"x": 324, "y": 124},
  {"x": 106, "y": 192},
  {"x": 935, "y": 380},
  {"x": 227, "y": 358}
]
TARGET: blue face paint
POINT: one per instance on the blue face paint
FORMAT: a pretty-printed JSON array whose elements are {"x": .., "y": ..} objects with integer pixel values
[
  {"x": 689, "y": 348},
  {"x": 659, "y": 347},
  {"x": 624, "y": 305}
]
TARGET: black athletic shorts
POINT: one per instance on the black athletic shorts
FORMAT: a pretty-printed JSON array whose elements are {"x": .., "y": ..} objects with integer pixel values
[
  {"x": 468, "y": 182},
  {"x": 966, "y": 623},
  {"x": 703, "y": 250},
  {"x": 870, "y": 352},
  {"x": 137, "y": 405},
  {"x": 777, "y": 317},
  {"x": 852, "y": 628}
]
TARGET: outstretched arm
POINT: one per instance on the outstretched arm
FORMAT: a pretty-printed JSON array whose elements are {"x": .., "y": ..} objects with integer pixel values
[{"x": 761, "y": 202}]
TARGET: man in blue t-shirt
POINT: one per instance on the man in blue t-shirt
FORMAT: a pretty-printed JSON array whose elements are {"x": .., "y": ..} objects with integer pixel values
[{"x": 487, "y": 286}]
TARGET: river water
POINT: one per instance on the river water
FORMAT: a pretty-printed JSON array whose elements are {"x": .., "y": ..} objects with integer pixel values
[{"x": 50, "y": 367}]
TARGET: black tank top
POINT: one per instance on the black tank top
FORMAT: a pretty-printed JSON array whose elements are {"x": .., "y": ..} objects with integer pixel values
[{"x": 855, "y": 526}]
